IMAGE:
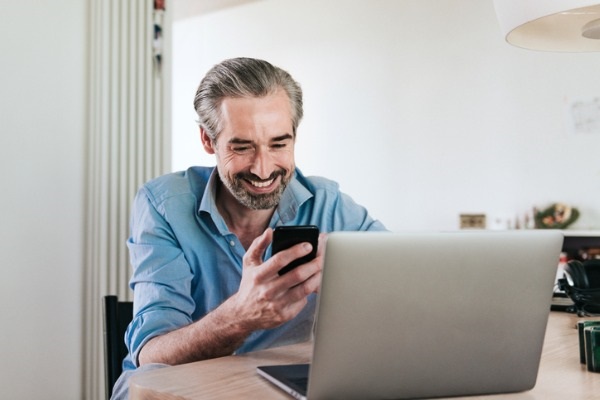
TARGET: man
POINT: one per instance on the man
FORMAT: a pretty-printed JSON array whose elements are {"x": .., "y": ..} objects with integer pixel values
[{"x": 204, "y": 282}]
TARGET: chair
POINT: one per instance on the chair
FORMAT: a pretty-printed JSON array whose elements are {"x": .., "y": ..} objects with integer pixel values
[{"x": 117, "y": 315}]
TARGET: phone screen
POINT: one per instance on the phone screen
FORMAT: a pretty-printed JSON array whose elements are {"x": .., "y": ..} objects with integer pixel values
[{"x": 285, "y": 237}]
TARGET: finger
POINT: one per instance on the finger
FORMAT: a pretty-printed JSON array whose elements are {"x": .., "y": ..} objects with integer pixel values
[
  {"x": 310, "y": 285},
  {"x": 302, "y": 274},
  {"x": 284, "y": 257},
  {"x": 313, "y": 284},
  {"x": 322, "y": 244},
  {"x": 254, "y": 254}
]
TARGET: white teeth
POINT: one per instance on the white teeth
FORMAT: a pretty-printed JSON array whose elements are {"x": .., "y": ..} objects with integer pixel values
[{"x": 261, "y": 184}]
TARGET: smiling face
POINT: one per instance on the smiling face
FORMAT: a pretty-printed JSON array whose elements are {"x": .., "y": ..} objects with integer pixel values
[{"x": 255, "y": 149}]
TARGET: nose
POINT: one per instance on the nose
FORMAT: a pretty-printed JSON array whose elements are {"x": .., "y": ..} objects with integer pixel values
[{"x": 261, "y": 163}]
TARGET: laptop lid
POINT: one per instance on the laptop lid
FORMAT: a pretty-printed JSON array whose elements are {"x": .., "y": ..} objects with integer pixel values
[{"x": 432, "y": 314}]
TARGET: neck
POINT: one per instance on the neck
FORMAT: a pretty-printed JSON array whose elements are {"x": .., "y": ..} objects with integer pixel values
[{"x": 245, "y": 223}]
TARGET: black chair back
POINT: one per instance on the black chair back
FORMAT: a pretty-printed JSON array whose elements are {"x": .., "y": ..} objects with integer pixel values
[{"x": 117, "y": 316}]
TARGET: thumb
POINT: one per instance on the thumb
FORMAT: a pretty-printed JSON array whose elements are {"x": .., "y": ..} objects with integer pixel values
[{"x": 254, "y": 254}]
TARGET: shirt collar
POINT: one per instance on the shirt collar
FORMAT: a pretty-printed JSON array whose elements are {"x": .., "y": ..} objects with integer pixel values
[{"x": 293, "y": 197}]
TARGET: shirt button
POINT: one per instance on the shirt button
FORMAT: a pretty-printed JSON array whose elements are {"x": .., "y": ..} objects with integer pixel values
[{"x": 232, "y": 243}]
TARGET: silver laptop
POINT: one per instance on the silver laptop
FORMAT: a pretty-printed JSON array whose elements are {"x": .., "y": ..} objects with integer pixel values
[{"x": 425, "y": 315}]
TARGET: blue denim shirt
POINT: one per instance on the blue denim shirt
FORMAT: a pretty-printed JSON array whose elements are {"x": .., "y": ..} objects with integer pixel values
[{"x": 186, "y": 262}]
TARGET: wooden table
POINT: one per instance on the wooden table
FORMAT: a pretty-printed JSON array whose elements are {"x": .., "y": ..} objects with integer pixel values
[{"x": 561, "y": 376}]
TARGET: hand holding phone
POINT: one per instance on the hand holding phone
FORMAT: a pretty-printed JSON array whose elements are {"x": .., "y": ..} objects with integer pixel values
[{"x": 285, "y": 237}]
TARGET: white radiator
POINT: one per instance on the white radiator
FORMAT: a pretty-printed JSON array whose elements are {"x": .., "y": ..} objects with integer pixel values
[{"x": 128, "y": 142}]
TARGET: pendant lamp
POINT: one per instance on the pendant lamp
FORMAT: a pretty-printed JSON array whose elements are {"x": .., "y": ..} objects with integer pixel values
[{"x": 551, "y": 25}]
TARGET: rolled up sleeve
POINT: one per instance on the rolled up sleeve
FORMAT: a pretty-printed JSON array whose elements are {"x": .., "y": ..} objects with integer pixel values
[{"x": 161, "y": 277}]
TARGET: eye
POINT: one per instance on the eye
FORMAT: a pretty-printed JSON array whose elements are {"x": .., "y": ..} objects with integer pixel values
[
  {"x": 282, "y": 144},
  {"x": 279, "y": 145},
  {"x": 241, "y": 149}
]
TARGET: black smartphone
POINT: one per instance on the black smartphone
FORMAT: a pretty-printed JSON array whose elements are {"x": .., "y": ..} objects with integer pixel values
[{"x": 285, "y": 237}]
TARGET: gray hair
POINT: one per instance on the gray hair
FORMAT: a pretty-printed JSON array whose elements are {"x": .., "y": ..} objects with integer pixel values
[{"x": 242, "y": 77}]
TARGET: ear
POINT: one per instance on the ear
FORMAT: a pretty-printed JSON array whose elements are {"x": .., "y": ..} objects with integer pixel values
[{"x": 207, "y": 142}]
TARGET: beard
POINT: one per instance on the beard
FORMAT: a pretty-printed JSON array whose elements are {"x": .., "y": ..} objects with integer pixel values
[{"x": 253, "y": 201}]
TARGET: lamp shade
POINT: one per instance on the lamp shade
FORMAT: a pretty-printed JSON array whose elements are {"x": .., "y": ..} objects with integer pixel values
[{"x": 550, "y": 25}]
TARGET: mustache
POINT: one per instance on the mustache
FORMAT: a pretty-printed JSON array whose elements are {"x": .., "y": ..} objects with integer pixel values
[{"x": 252, "y": 177}]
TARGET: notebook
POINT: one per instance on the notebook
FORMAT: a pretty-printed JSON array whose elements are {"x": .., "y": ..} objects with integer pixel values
[{"x": 421, "y": 315}]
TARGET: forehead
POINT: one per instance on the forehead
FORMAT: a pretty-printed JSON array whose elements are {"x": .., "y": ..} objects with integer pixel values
[{"x": 252, "y": 115}]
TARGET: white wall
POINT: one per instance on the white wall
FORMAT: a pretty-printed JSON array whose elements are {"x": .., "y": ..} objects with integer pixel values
[
  {"x": 417, "y": 107},
  {"x": 42, "y": 111}
]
